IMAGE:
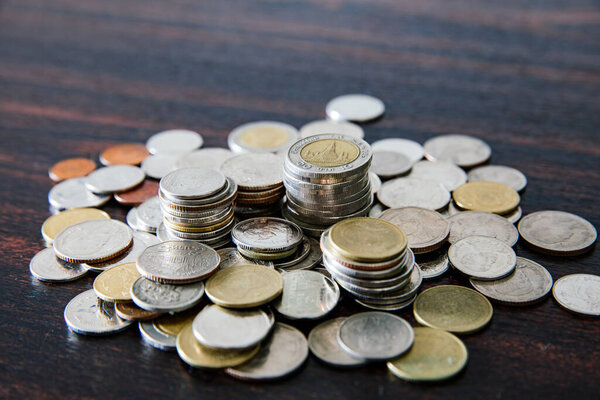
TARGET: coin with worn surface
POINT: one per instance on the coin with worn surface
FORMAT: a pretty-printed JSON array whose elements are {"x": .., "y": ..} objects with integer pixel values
[
  {"x": 244, "y": 286},
  {"x": 174, "y": 141},
  {"x": 433, "y": 264},
  {"x": 73, "y": 193},
  {"x": 172, "y": 323},
  {"x": 154, "y": 296},
  {"x": 131, "y": 312},
  {"x": 479, "y": 223},
  {"x": 557, "y": 232},
  {"x": 482, "y": 257},
  {"x": 499, "y": 174},
  {"x": 56, "y": 223},
  {"x": 307, "y": 295},
  {"x": 115, "y": 284},
  {"x": 389, "y": 164},
  {"x": 192, "y": 183},
  {"x": 262, "y": 137},
  {"x": 412, "y": 192},
  {"x": 426, "y": 230},
  {"x": 322, "y": 341},
  {"x": 578, "y": 293},
  {"x": 209, "y": 157},
  {"x": 462, "y": 150},
  {"x": 328, "y": 126},
  {"x": 410, "y": 148},
  {"x": 114, "y": 178},
  {"x": 375, "y": 335},
  {"x": 71, "y": 168},
  {"x": 124, "y": 153},
  {"x": 139, "y": 194},
  {"x": 46, "y": 267},
  {"x": 387, "y": 307},
  {"x": 486, "y": 196},
  {"x": 354, "y": 107},
  {"x": 435, "y": 355},
  {"x": 446, "y": 173},
  {"x": 149, "y": 214},
  {"x": 87, "y": 316},
  {"x": 254, "y": 171},
  {"x": 155, "y": 338},
  {"x": 158, "y": 165},
  {"x": 455, "y": 309},
  {"x": 267, "y": 234}
]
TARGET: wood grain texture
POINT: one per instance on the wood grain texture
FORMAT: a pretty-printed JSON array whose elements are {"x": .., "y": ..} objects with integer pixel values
[{"x": 78, "y": 76}]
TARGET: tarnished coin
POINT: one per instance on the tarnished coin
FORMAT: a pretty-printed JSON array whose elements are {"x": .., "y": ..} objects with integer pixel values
[
  {"x": 328, "y": 126},
  {"x": 131, "y": 312},
  {"x": 139, "y": 194},
  {"x": 375, "y": 335},
  {"x": 158, "y": 165},
  {"x": 93, "y": 241},
  {"x": 155, "y": 338},
  {"x": 354, "y": 107},
  {"x": 499, "y": 174},
  {"x": 262, "y": 137},
  {"x": 528, "y": 284},
  {"x": 410, "y": 148},
  {"x": 282, "y": 353},
  {"x": 426, "y": 230},
  {"x": 411, "y": 192},
  {"x": 578, "y": 293},
  {"x": 436, "y": 355},
  {"x": 87, "y": 316},
  {"x": 71, "y": 168},
  {"x": 478, "y": 223},
  {"x": 254, "y": 172},
  {"x": 462, "y": 150},
  {"x": 173, "y": 323},
  {"x": 482, "y": 257},
  {"x": 267, "y": 234},
  {"x": 433, "y": 264},
  {"x": 389, "y": 164},
  {"x": 209, "y": 157},
  {"x": 115, "y": 178},
  {"x": 73, "y": 193},
  {"x": 307, "y": 295},
  {"x": 56, "y": 223},
  {"x": 46, "y": 267},
  {"x": 513, "y": 217},
  {"x": 192, "y": 183},
  {"x": 446, "y": 173},
  {"x": 149, "y": 215},
  {"x": 154, "y": 296},
  {"x": 557, "y": 232},
  {"x": 124, "y": 153},
  {"x": 174, "y": 141},
  {"x": 322, "y": 341},
  {"x": 486, "y": 196},
  {"x": 114, "y": 285}
]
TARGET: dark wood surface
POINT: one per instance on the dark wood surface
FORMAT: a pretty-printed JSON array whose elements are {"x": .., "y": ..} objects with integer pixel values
[{"x": 76, "y": 76}]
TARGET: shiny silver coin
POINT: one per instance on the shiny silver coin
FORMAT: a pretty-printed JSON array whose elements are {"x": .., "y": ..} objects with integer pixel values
[
  {"x": 410, "y": 148},
  {"x": 162, "y": 233},
  {"x": 73, "y": 193},
  {"x": 149, "y": 215},
  {"x": 87, "y": 316},
  {"x": 230, "y": 257},
  {"x": 226, "y": 329},
  {"x": 132, "y": 220},
  {"x": 201, "y": 208},
  {"x": 389, "y": 164},
  {"x": 174, "y": 141},
  {"x": 482, "y": 257},
  {"x": 398, "y": 280},
  {"x": 209, "y": 157},
  {"x": 477, "y": 223},
  {"x": 262, "y": 137},
  {"x": 158, "y": 165},
  {"x": 462, "y": 150},
  {"x": 217, "y": 233},
  {"x": 376, "y": 336},
  {"x": 253, "y": 171},
  {"x": 192, "y": 183},
  {"x": 328, "y": 217},
  {"x": 301, "y": 254},
  {"x": 322, "y": 341},
  {"x": 214, "y": 217},
  {"x": 426, "y": 230},
  {"x": 433, "y": 264},
  {"x": 374, "y": 181},
  {"x": 412, "y": 192},
  {"x": 387, "y": 307},
  {"x": 46, "y": 267},
  {"x": 344, "y": 206},
  {"x": 354, "y": 107},
  {"x": 578, "y": 293},
  {"x": 267, "y": 234},
  {"x": 156, "y": 338},
  {"x": 328, "y": 126},
  {"x": 307, "y": 295},
  {"x": 376, "y": 210},
  {"x": 312, "y": 259},
  {"x": 446, "y": 173},
  {"x": 141, "y": 240},
  {"x": 513, "y": 217},
  {"x": 500, "y": 174},
  {"x": 114, "y": 178},
  {"x": 153, "y": 296}
]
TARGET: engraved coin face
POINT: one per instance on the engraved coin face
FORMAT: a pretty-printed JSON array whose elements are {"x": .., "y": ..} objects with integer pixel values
[
  {"x": 115, "y": 284},
  {"x": 486, "y": 196},
  {"x": 56, "y": 223},
  {"x": 266, "y": 234},
  {"x": 446, "y": 173},
  {"x": 409, "y": 148},
  {"x": 411, "y": 192},
  {"x": 174, "y": 141},
  {"x": 158, "y": 165},
  {"x": 154, "y": 296},
  {"x": 192, "y": 183},
  {"x": 149, "y": 214},
  {"x": 323, "y": 343},
  {"x": 262, "y": 136},
  {"x": 426, "y": 230},
  {"x": 46, "y": 267},
  {"x": 254, "y": 171},
  {"x": 354, "y": 107},
  {"x": 328, "y": 126},
  {"x": 482, "y": 257},
  {"x": 390, "y": 164},
  {"x": 115, "y": 178},
  {"x": 209, "y": 157},
  {"x": 330, "y": 152},
  {"x": 578, "y": 293},
  {"x": 86, "y": 316},
  {"x": 464, "y": 151},
  {"x": 141, "y": 240},
  {"x": 499, "y": 174},
  {"x": 230, "y": 256},
  {"x": 73, "y": 193},
  {"x": 307, "y": 295},
  {"x": 477, "y": 223}
]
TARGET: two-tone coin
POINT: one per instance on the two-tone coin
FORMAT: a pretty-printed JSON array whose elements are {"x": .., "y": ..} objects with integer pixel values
[{"x": 262, "y": 137}]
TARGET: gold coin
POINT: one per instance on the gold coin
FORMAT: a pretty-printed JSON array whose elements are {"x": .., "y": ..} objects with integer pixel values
[
  {"x": 486, "y": 196},
  {"x": 244, "y": 286},
  {"x": 114, "y": 284},
  {"x": 434, "y": 356},
  {"x": 455, "y": 309},
  {"x": 366, "y": 239},
  {"x": 330, "y": 152},
  {"x": 199, "y": 356},
  {"x": 172, "y": 324},
  {"x": 265, "y": 137},
  {"x": 56, "y": 223}
]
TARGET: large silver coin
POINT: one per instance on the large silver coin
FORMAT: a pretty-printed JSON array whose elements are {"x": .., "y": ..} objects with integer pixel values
[
  {"x": 411, "y": 192},
  {"x": 73, "y": 193},
  {"x": 528, "y": 284},
  {"x": 254, "y": 171},
  {"x": 87, "y": 316},
  {"x": 178, "y": 262},
  {"x": 557, "y": 232},
  {"x": 46, "y": 267},
  {"x": 282, "y": 353},
  {"x": 267, "y": 234},
  {"x": 426, "y": 230},
  {"x": 115, "y": 178},
  {"x": 174, "y": 141},
  {"x": 328, "y": 126},
  {"x": 500, "y": 174},
  {"x": 141, "y": 240},
  {"x": 478, "y": 223},
  {"x": 462, "y": 150},
  {"x": 578, "y": 293},
  {"x": 158, "y": 165},
  {"x": 410, "y": 148},
  {"x": 156, "y": 338},
  {"x": 354, "y": 107},
  {"x": 153, "y": 296},
  {"x": 222, "y": 328},
  {"x": 192, "y": 183},
  {"x": 446, "y": 173},
  {"x": 376, "y": 336},
  {"x": 230, "y": 257},
  {"x": 389, "y": 164},
  {"x": 482, "y": 257},
  {"x": 433, "y": 264},
  {"x": 307, "y": 295},
  {"x": 262, "y": 137},
  {"x": 322, "y": 341},
  {"x": 149, "y": 214},
  {"x": 209, "y": 157}
]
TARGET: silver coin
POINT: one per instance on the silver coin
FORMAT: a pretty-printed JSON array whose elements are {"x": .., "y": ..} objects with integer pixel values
[
  {"x": 141, "y": 240},
  {"x": 328, "y": 126},
  {"x": 231, "y": 257},
  {"x": 410, "y": 148},
  {"x": 192, "y": 183},
  {"x": 557, "y": 232},
  {"x": 93, "y": 240},
  {"x": 284, "y": 351},
  {"x": 375, "y": 182},
  {"x": 132, "y": 220},
  {"x": 578, "y": 293},
  {"x": 254, "y": 171},
  {"x": 314, "y": 257},
  {"x": 221, "y": 328},
  {"x": 154, "y": 296},
  {"x": 376, "y": 336},
  {"x": 149, "y": 214},
  {"x": 389, "y": 164},
  {"x": 446, "y": 173},
  {"x": 387, "y": 307},
  {"x": 528, "y": 284},
  {"x": 322, "y": 341},
  {"x": 209, "y": 157},
  {"x": 307, "y": 295},
  {"x": 462, "y": 150},
  {"x": 262, "y": 137},
  {"x": 513, "y": 217},
  {"x": 482, "y": 257},
  {"x": 426, "y": 230},
  {"x": 300, "y": 255},
  {"x": 500, "y": 174},
  {"x": 156, "y": 338},
  {"x": 174, "y": 141},
  {"x": 411, "y": 192},
  {"x": 87, "y": 316},
  {"x": 376, "y": 210},
  {"x": 354, "y": 107},
  {"x": 433, "y": 264},
  {"x": 266, "y": 234},
  {"x": 478, "y": 223},
  {"x": 178, "y": 262},
  {"x": 114, "y": 178},
  {"x": 46, "y": 267},
  {"x": 158, "y": 165},
  {"x": 73, "y": 193}
]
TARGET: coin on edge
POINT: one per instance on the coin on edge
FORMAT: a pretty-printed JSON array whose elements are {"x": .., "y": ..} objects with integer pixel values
[
  {"x": 115, "y": 284},
  {"x": 578, "y": 293},
  {"x": 87, "y": 316},
  {"x": 56, "y": 223},
  {"x": 322, "y": 341}
]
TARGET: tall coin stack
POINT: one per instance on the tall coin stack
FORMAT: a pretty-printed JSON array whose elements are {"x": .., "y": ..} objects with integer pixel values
[
  {"x": 327, "y": 180},
  {"x": 197, "y": 204}
]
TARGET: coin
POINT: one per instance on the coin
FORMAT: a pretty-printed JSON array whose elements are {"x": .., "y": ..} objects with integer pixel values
[
  {"x": 124, "y": 153},
  {"x": 557, "y": 232},
  {"x": 254, "y": 171},
  {"x": 71, "y": 168},
  {"x": 387, "y": 307},
  {"x": 433, "y": 264},
  {"x": 114, "y": 178},
  {"x": 455, "y": 309},
  {"x": 389, "y": 164},
  {"x": 86, "y": 316},
  {"x": 426, "y": 230},
  {"x": 156, "y": 338},
  {"x": 230, "y": 256},
  {"x": 307, "y": 295},
  {"x": 486, "y": 196},
  {"x": 462, "y": 150},
  {"x": 267, "y": 234},
  {"x": 512, "y": 216},
  {"x": 354, "y": 107},
  {"x": 376, "y": 210},
  {"x": 131, "y": 312},
  {"x": 499, "y": 174},
  {"x": 56, "y": 223},
  {"x": 410, "y": 148},
  {"x": 578, "y": 293},
  {"x": 374, "y": 181},
  {"x": 158, "y": 165},
  {"x": 482, "y": 257},
  {"x": 328, "y": 126},
  {"x": 154, "y": 296},
  {"x": 244, "y": 286},
  {"x": 73, "y": 193},
  {"x": 172, "y": 324},
  {"x": 139, "y": 194},
  {"x": 191, "y": 183},
  {"x": 435, "y": 355},
  {"x": 149, "y": 215},
  {"x": 46, "y": 267},
  {"x": 209, "y": 157},
  {"x": 141, "y": 240},
  {"x": 478, "y": 223},
  {"x": 114, "y": 285},
  {"x": 411, "y": 192},
  {"x": 446, "y": 173},
  {"x": 312, "y": 259},
  {"x": 174, "y": 141},
  {"x": 322, "y": 341},
  {"x": 261, "y": 137}
]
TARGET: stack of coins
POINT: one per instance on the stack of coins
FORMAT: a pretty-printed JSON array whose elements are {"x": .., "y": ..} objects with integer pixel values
[
  {"x": 327, "y": 180},
  {"x": 197, "y": 204},
  {"x": 370, "y": 258}
]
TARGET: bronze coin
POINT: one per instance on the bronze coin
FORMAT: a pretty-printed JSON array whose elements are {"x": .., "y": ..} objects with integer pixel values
[
  {"x": 71, "y": 168},
  {"x": 131, "y": 312},
  {"x": 124, "y": 153},
  {"x": 139, "y": 194}
]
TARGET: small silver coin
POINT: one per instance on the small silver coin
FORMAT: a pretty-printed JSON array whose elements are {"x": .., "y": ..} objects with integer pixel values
[
  {"x": 262, "y": 137},
  {"x": 322, "y": 341},
  {"x": 149, "y": 215},
  {"x": 192, "y": 183},
  {"x": 578, "y": 293},
  {"x": 499, "y": 174},
  {"x": 410, "y": 148},
  {"x": 87, "y": 316},
  {"x": 355, "y": 107},
  {"x": 174, "y": 141},
  {"x": 446, "y": 173},
  {"x": 513, "y": 217},
  {"x": 73, "y": 193},
  {"x": 389, "y": 164},
  {"x": 158, "y": 165},
  {"x": 433, "y": 264},
  {"x": 478, "y": 223},
  {"x": 376, "y": 336},
  {"x": 46, "y": 267},
  {"x": 307, "y": 295},
  {"x": 482, "y": 257},
  {"x": 267, "y": 234},
  {"x": 254, "y": 171},
  {"x": 141, "y": 240},
  {"x": 328, "y": 126},
  {"x": 153, "y": 296},
  {"x": 114, "y": 178},
  {"x": 156, "y": 338},
  {"x": 230, "y": 257},
  {"x": 462, "y": 150},
  {"x": 412, "y": 192},
  {"x": 209, "y": 157}
]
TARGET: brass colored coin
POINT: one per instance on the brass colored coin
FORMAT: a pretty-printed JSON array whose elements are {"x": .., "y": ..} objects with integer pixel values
[
  {"x": 115, "y": 284},
  {"x": 56, "y": 223},
  {"x": 244, "y": 286},
  {"x": 455, "y": 309},
  {"x": 434, "y": 356},
  {"x": 330, "y": 152},
  {"x": 265, "y": 137},
  {"x": 199, "y": 229},
  {"x": 71, "y": 168},
  {"x": 366, "y": 239},
  {"x": 131, "y": 312},
  {"x": 147, "y": 190},
  {"x": 172, "y": 324},
  {"x": 486, "y": 196},
  {"x": 124, "y": 153},
  {"x": 199, "y": 356}
]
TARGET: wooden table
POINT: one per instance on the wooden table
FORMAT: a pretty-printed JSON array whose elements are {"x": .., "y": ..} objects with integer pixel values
[{"x": 76, "y": 76}]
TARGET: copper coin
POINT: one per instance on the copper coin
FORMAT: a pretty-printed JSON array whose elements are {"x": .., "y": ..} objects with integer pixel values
[
  {"x": 71, "y": 168},
  {"x": 124, "y": 153},
  {"x": 139, "y": 194},
  {"x": 131, "y": 312}
]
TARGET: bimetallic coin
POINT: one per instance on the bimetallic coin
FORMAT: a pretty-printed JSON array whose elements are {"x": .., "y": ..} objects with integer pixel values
[
  {"x": 410, "y": 148},
  {"x": 174, "y": 141},
  {"x": 114, "y": 285},
  {"x": 266, "y": 234},
  {"x": 46, "y": 267},
  {"x": 153, "y": 296},
  {"x": 478, "y": 223},
  {"x": 411, "y": 192},
  {"x": 87, "y": 316},
  {"x": 578, "y": 293},
  {"x": 115, "y": 178},
  {"x": 56, "y": 223},
  {"x": 328, "y": 126},
  {"x": 433, "y": 264},
  {"x": 482, "y": 257},
  {"x": 71, "y": 168},
  {"x": 464, "y": 151},
  {"x": 124, "y": 153},
  {"x": 354, "y": 107},
  {"x": 139, "y": 194},
  {"x": 389, "y": 164},
  {"x": 252, "y": 172},
  {"x": 156, "y": 338},
  {"x": 446, "y": 173},
  {"x": 322, "y": 341},
  {"x": 486, "y": 196},
  {"x": 307, "y": 295},
  {"x": 158, "y": 165},
  {"x": 131, "y": 312},
  {"x": 209, "y": 157},
  {"x": 261, "y": 137},
  {"x": 192, "y": 183},
  {"x": 499, "y": 174},
  {"x": 426, "y": 230},
  {"x": 73, "y": 193}
]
